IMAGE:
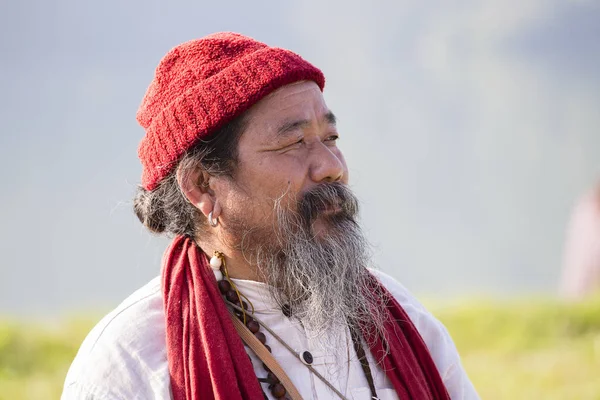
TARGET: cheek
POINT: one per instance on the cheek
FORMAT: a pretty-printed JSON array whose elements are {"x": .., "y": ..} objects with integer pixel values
[
  {"x": 281, "y": 173},
  {"x": 259, "y": 184},
  {"x": 263, "y": 178}
]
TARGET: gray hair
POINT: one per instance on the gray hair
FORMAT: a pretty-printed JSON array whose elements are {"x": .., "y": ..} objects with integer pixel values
[
  {"x": 324, "y": 280},
  {"x": 166, "y": 209}
]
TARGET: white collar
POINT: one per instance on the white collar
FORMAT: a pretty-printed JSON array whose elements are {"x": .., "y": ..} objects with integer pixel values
[{"x": 259, "y": 295}]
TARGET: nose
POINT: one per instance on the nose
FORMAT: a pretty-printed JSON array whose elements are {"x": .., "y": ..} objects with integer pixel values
[{"x": 327, "y": 164}]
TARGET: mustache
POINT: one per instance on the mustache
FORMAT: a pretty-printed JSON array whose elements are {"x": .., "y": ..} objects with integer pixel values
[
  {"x": 324, "y": 278},
  {"x": 327, "y": 197}
]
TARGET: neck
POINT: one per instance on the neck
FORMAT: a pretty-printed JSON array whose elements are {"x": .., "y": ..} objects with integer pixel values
[{"x": 237, "y": 265}]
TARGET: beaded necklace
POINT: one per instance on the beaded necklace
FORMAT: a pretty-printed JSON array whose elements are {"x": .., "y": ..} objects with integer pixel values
[{"x": 233, "y": 298}]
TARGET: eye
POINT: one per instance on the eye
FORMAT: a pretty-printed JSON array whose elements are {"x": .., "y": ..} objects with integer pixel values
[
  {"x": 293, "y": 145},
  {"x": 332, "y": 138},
  {"x": 296, "y": 143}
]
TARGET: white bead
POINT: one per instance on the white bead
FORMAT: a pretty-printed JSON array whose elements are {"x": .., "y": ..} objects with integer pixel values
[
  {"x": 218, "y": 274},
  {"x": 215, "y": 262}
]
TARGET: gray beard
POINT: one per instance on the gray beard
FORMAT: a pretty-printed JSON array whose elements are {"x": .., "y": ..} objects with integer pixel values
[{"x": 323, "y": 279}]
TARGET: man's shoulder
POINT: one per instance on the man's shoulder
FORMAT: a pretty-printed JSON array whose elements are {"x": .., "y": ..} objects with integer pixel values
[
  {"x": 436, "y": 337},
  {"x": 407, "y": 300},
  {"x": 138, "y": 318},
  {"x": 125, "y": 352},
  {"x": 432, "y": 330}
]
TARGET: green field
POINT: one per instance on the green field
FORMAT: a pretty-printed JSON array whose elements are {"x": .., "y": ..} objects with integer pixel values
[{"x": 527, "y": 349}]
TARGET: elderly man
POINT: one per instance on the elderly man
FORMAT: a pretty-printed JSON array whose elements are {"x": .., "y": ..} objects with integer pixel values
[{"x": 266, "y": 290}]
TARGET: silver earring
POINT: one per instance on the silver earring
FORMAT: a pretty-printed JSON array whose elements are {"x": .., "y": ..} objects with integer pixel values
[{"x": 211, "y": 221}]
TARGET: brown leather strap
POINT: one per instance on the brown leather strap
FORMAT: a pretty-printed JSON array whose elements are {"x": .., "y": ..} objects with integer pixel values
[
  {"x": 362, "y": 357},
  {"x": 261, "y": 351}
]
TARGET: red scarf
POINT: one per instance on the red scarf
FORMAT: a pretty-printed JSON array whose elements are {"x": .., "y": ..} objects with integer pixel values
[{"x": 207, "y": 358}]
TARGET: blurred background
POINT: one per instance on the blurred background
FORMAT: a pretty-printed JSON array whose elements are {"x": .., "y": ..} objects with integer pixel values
[{"x": 471, "y": 130}]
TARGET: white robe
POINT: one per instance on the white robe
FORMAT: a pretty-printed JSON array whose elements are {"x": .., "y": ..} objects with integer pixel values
[{"x": 125, "y": 357}]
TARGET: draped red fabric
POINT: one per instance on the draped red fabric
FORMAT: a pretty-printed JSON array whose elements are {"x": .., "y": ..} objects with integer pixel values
[
  {"x": 206, "y": 356},
  {"x": 207, "y": 359},
  {"x": 407, "y": 361}
]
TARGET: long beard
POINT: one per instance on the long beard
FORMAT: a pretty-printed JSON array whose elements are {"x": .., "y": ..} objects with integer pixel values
[{"x": 322, "y": 278}]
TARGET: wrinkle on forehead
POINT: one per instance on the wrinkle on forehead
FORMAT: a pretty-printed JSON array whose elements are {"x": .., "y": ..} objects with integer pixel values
[
  {"x": 283, "y": 99},
  {"x": 300, "y": 100}
]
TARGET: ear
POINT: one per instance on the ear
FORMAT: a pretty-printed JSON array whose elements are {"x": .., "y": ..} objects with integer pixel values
[{"x": 195, "y": 186}]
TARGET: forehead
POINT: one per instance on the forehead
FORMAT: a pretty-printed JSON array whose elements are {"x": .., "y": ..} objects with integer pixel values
[{"x": 300, "y": 100}]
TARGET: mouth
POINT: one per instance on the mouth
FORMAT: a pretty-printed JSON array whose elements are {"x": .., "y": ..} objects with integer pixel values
[
  {"x": 330, "y": 201},
  {"x": 331, "y": 209}
]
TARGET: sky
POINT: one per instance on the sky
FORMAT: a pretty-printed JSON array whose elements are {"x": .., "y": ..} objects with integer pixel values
[{"x": 470, "y": 129}]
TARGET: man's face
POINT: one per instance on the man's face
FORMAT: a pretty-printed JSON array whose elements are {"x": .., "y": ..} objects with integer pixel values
[
  {"x": 289, "y": 210},
  {"x": 288, "y": 148}
]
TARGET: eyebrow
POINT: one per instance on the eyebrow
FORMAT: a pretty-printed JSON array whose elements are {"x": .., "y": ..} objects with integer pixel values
[{"x": 292, "y": 125}]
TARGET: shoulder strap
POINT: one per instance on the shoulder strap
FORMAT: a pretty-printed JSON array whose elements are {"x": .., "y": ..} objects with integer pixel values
[
  {"x": 362, "y": 357},
  {"x": 260, "y": 350}
]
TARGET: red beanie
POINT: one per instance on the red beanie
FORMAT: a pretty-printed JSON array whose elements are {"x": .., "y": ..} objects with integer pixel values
[{"x": 201, "y": 85}]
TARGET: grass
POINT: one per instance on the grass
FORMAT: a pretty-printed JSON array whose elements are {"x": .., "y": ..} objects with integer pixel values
[
  {"x": 527, "y": 349},
  {"x": 536, "y": 349},
  {"x": 35, "y": 357}
]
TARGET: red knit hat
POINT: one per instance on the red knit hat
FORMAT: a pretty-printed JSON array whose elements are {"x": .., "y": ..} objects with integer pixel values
[{"x": 201, "y": 85}]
